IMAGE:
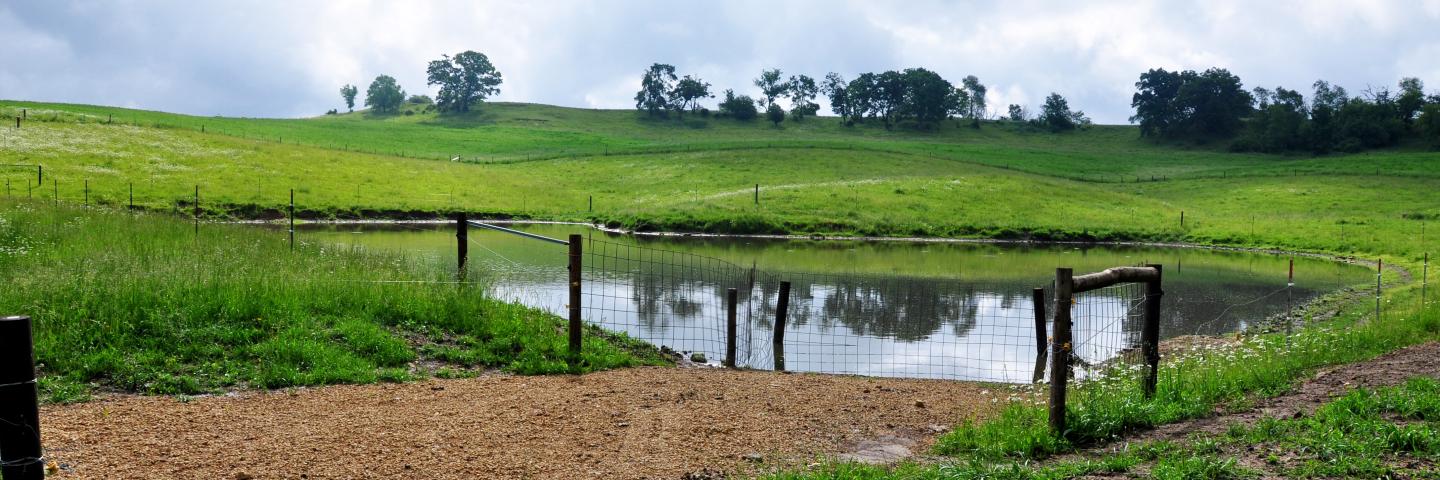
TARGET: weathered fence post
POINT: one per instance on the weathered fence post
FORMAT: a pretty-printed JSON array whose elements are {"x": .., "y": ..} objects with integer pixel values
[
  {"x": 20, "y": 453},
  {"x": 1290, "y": 301},
  {"x": 87, "y": 192},
  {"x": 731, "y": 297},
  {"x": 1042, "y": 346},
  {"x": 782, "y": 310},
  {"x": 462, "y": 244},
  {"x": 1379, "y": 271},
  {"x": 197, "y": 211},
  {"x": 1060, "y": 357},
  {"x": 1425, "y": 281},
  {"x": 40, "y": 175},
  {"x": 757, "y": 194},
  {"x": 132, "y": 195},
  {"x": 592, "y": 203},
  {"x": 292, "y": 219},
  {"x": 1150, "y": 332},
  {"x": 575, "y": 258}
]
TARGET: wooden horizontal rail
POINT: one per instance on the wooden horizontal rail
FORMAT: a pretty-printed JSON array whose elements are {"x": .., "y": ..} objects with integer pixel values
[{"x": 1112, "y": 276}]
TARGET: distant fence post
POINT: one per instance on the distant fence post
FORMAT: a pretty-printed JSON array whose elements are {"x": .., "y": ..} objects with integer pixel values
[
  {"x": 1425, "y": 282},
  {"x": 1060, "y": 357},
  {"x": 1290, "y": 301},
  {"x": 132, "y": 195},
  {"x": 1041, "y": 344},
  {"x": 40, "y": 175},
  {"x": 1150, "y": 332},
  {"x": 731, "y": 297},
  {"x": 575, "y": 252},
  {"x": 782, "y": 310},
  {"x": 757, "y": 194},
  {"x": 197, "y": 210},
  {"x": 87, "y": 192},
  {"x": 462, "y": 244},
  {"x": 20, "y": 453}
]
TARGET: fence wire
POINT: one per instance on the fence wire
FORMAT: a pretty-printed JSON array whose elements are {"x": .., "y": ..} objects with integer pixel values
[{"x": 1106, "y": 325}]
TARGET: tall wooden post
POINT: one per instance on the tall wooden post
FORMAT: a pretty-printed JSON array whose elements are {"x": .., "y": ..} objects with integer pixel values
[
  {"x": 1060, "y": 356},
  {"x": 1379, "y": 271},
  {"x": 20, "y": 452},
  {"x": 782, "y": 311},
  {"x": 575, "y": 259},
  {"x": 132, "y": 195},
  {"x": 462, "y": 244},
  {"x": 731, "y": 297},
  {"x": 1041, "y": 343},
  {"x": 40, "y": 175},
  {"x": 757, "y": 194},
  {"x": 1150, "y": 332},
  {"x": 87, "y": 192}
]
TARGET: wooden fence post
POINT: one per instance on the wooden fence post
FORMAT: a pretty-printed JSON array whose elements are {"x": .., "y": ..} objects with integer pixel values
[
  {"x": 1060, "y": 357},
  {"x": 575, "y": 259},
  {"x": 292, "y": 219},
  {"x": 1150, "y": 332},
  {"x": 782, "y": 310},
  {"x": 1379, "y": 271},
  {"x": 87, "y": 192},
  {"x": 20, "y": 452},
  {"x": 1042, "y": 344},
  {"x": 731, "y": 296},
  {"x": 462, "y": 244}
]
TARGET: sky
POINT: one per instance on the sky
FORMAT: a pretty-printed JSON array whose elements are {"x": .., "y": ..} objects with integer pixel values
[{"x": 289, "y": 58}]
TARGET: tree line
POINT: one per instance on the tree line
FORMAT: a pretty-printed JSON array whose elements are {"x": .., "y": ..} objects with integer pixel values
[
  {"x": 465, "y": 81},
  {"x": 912, "y": 98},
  {"x": 1215, "y": 105}
]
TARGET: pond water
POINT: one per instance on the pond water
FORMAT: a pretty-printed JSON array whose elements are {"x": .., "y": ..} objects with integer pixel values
[{"x": 891, "y": 308}]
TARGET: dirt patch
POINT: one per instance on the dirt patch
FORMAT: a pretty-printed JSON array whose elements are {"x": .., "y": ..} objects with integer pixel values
[{"x": 634, "y": 423}]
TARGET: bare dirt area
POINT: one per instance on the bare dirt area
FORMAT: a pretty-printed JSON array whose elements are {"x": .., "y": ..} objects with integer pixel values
[{"x": 634, "y": 423}]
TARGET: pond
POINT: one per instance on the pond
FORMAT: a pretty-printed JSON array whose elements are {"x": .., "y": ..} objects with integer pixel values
[{"x": 883, "y": 308}]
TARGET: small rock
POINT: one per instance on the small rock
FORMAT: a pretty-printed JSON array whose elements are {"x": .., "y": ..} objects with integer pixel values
[
  {"x": 244, "y": 476},
  {"x": 436, "y": 388},
  {"x": 623, "y": 424},
  {"x": 919, "y": 404},
  {"x": 697, "y": 357},
  {"x": 938, "y": 429},
  {"x": 753, "y": 457}
]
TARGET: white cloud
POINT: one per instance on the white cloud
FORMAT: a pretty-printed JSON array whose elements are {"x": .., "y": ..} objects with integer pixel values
[{"x": 281, "y": 58}]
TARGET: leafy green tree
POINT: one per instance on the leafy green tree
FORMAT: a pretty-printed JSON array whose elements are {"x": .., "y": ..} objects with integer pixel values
[
  {"x": 1056, "y": 114},
  {"x": 348, "y": 92},
  {"x": 687, "y": 94},
  {"x": 1214, "y": 102},
  {"x": 1016, "y": 113},
  {"x": 771, "y": 85},
  {"x": 975, "y": 92},
  {"x": 655, "y": 89},
  {"x": 928, "y": 96},
  {"x": 1154, "y": 102},
  {"x": 1429, "y": 123},
  {"x": 888, "y": 98},
  {"x": 861, "y": 94},
  {"x": 1279, "y": 122},
  {"x": 959, "y": 103},
  {"x": 801, "y": 89},
  {"x": 464, "y": 81},
  {"x": 384, "y": 95},
  {"x": 1411, "y": 99},
  {"x": 837, "y": 89},
  {"x": 1325, "y": 104},
  {"x": 775, "y": 114},
  {"x": 739, "y": 107}
]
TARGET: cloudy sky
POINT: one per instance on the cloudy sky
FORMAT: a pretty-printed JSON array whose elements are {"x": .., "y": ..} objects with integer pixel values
[{"x": 282, "y": 58}]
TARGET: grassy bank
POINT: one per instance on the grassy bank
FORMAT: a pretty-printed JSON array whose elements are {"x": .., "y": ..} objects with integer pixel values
[{"x": 142, "y": 303}]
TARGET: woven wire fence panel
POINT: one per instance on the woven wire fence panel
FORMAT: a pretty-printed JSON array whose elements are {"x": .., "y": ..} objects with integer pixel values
[
  {"x": 899, "y": 326},
  {"x": 1106, "y": 325},
  {"x": 670, "y": 299}
]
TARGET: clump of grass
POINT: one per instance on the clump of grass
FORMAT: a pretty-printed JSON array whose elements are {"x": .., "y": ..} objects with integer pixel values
[
  {"x": 142, "y": 303},
  {"x": 1192, "y": 386}
]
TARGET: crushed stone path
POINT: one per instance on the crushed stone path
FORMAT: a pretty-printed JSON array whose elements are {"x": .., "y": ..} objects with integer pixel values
[{"x": 653, "y": 422}]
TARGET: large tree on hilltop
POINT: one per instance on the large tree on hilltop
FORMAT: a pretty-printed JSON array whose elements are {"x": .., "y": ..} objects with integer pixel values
[
  {"x": 465, "y": 80},
  {"x": 655, "y": 89}
]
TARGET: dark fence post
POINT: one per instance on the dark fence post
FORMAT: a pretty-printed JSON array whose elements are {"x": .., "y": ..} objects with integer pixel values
[
  {"x": 132, "y": 195},
  {"x": 462, "y": 244},
  {"x": 782, "y": 310},
  {"x": 1150, "y": 332},
  {"x": 757, "y": 194},
  {"x": 592, "y": 203},
  {"x": 1060, "y": 357},
  {"x": 575, "y": 252},
  {"x": 292, "y": 219},
  {"x": 731, "y": 296},
  {"x": 20, "y": 452},
  {"x": 40, "y": 175},
  {"x": 1041, "y": 345},
  {"x": 87, "y": 192}
]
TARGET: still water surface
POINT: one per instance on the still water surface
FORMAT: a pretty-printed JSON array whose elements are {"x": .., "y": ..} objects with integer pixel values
[{"x": 913, "y": 309}]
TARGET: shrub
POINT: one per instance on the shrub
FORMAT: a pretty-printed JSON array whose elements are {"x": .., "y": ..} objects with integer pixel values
[{"x": 741, "y": 107}]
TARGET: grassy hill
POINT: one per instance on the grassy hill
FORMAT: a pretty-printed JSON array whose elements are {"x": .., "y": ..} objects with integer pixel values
[{"x": 699, "y": 174}]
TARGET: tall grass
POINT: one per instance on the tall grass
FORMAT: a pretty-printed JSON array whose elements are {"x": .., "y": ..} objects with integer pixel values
[
  {"x": 141, "y": 302},
  {"x": 1197, "y": 384}
]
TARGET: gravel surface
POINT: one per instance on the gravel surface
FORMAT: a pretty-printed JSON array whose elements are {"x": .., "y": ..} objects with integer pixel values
[{"x": 634, "y": 423}]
